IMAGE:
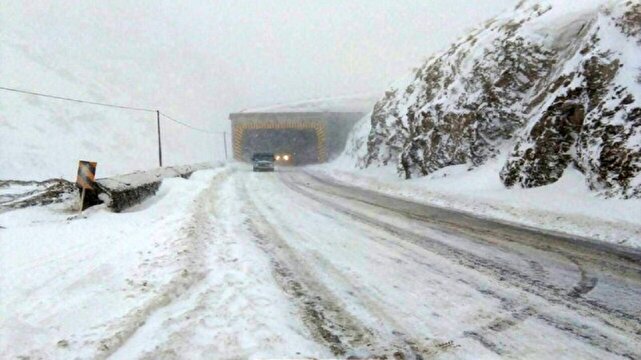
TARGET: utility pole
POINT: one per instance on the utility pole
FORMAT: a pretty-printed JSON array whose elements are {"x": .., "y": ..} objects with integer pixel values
[
  {"x": 225, "y": 143},
  {"x": 159, "y": 142}
]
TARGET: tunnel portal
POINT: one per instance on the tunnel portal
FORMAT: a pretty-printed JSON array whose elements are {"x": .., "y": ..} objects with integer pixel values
[
  {"x": 310, "y": 137},
  {"x": 300, "y": 144}
]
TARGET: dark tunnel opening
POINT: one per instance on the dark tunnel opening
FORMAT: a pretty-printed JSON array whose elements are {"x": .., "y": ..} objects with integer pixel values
[{"x": 300, "y": 144}]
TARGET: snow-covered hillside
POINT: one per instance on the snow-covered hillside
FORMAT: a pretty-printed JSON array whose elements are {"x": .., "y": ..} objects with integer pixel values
[
  {"x": 43, "y": 138},
  {"x": 551, "y": 85}
]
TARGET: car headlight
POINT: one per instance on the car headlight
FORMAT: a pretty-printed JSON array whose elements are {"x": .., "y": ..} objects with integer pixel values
[
  {"x": 286, "y": 157},
  {"x": 277, "y": 157}
]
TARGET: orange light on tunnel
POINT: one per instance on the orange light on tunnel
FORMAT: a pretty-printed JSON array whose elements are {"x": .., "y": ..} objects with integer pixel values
[
  {"x": 286, "y": 157},
  {"x": 277, "y": 157}
]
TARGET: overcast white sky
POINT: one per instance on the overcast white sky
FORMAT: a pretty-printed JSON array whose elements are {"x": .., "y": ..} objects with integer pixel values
[{"x": 200, "y": 60}]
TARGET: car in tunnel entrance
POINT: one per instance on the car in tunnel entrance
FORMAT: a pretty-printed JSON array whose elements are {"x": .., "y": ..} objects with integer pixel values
[
  {"x": 286, "y": 159},
  {"x": 263, "y": 161}
]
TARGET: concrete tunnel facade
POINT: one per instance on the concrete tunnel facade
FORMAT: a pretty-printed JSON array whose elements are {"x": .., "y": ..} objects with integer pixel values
[{"x": 311, "y": 137}]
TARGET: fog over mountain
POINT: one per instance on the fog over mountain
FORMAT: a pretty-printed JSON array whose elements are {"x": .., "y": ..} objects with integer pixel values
[{"x": 200, "y": 60}]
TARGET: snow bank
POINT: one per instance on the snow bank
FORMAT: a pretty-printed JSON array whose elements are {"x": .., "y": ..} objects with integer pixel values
[
  {"x": 178, "y": 275},
  {"x": 237, "y": 310},
  {"x": 123, "y": 191},
  {"x": 567, "y": 206},
  {"x": 70, "y": 284}
]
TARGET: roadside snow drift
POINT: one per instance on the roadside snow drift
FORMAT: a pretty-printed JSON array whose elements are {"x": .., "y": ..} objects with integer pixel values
[
  {"x": 567, "y": 206},
  {"x": 81, "y": 287}
]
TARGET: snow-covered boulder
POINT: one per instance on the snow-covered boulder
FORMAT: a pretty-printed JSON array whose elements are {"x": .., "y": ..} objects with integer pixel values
[{"x": 552, "y": 81}]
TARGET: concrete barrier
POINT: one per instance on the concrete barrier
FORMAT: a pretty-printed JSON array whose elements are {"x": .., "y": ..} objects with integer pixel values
[{"x": 123, "y": 191}]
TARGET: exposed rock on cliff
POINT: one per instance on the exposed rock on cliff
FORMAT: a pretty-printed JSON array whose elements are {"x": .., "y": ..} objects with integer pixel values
[{"x": 558, "y": 86}]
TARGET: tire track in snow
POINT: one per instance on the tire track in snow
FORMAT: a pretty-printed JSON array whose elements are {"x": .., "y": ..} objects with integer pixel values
[
  {"x": 515, "y": 315},
  {"x": 586, "y": 284},
  {"x": 321, "y": 311},
  {"x": 613, "y": 318},
  {"x": 417, "y": 344},
  {"x": 625, "y": 318},
  {"x": 483, "y": 237},
  {"x": 190, "y": 258},
  {"x": 420, "y": 348},
  {"x": 626, "y": 263}
]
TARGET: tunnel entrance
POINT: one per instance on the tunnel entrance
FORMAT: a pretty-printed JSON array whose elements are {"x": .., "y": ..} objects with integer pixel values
[{"x": 301, "y": 144}]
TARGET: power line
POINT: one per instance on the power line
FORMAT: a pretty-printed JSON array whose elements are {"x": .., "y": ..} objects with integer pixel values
[
  {"x": 157, "y": 112},
  {"x": 185, "y": 124},
  {"x": 76, "y": 100},
  {"x": 106, "y": 105}
]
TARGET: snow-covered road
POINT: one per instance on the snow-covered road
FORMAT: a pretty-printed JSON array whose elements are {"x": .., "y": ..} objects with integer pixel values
[{"x": 288, "y": 264}]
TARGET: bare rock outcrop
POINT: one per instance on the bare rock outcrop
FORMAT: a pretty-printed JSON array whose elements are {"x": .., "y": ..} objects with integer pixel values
[{"x": 557, "y": 89}]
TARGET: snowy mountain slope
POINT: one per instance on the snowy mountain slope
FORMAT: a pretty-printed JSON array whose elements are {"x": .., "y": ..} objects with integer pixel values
[
  {"x": 43, "y": 138},
  {"x": 554, "y": 83}
]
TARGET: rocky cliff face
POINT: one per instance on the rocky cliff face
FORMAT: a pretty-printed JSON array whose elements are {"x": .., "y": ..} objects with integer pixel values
[{"x": 555, "y": 86}]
